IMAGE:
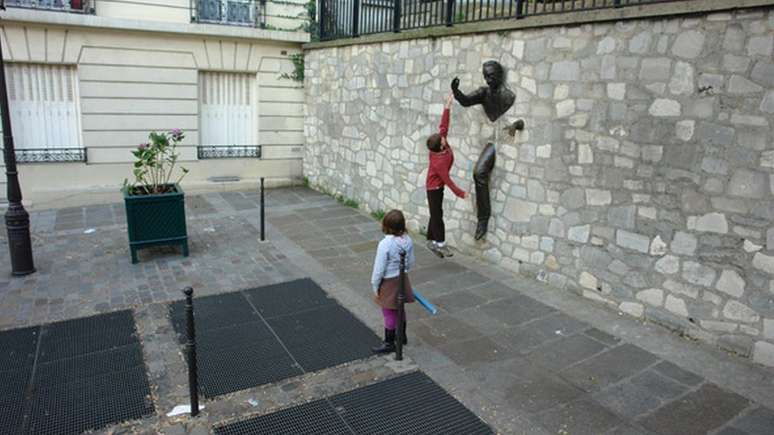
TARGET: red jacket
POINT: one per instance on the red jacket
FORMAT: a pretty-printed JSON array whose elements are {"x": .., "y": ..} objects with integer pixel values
[{"x": 441, "y": 162}]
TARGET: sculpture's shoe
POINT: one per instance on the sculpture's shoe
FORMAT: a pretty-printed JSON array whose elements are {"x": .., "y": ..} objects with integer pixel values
[{"x": 481, "y": 229}]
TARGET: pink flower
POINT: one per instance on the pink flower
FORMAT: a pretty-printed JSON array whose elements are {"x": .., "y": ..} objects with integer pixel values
[{"x": 143, "y": 146}]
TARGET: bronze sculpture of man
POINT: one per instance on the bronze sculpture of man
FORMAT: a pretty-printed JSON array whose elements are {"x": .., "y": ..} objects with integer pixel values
[{"x": 496, "y": 99}]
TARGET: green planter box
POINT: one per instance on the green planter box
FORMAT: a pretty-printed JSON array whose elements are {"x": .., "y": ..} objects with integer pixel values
[{"x": 156, "y": 220}]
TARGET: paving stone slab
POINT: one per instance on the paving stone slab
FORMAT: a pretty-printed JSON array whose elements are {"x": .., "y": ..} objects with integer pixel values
[
  {"x": 698, "y": 412},
  {"x": 583, "y": 416},
  {"x": 609, "y": 367},
  {"x": 565, "y": 352},
  {"x": 760, "y": 421}
]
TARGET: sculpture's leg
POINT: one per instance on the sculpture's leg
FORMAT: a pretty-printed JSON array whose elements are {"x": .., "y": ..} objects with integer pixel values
[{"x": 483, "y": 170}]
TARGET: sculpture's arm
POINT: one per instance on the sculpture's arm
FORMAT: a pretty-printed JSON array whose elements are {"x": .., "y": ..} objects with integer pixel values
[{"x": 475, "y": 97}]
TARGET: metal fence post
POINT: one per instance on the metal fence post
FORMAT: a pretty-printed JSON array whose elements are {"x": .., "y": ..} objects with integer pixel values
[
  {"x": 617, "y": 3},
  {"x": 263, "y": 214},
  {"x": 355, "y": 18},
  {"x": 321, "y": 19},
  {"x": 519, "y": 8},
  {"x": 193, "y": 379},
  {"x": 396, "y": 16},
  {"x": 449, "y": 13},
  {"x": 399, "y": 331}
]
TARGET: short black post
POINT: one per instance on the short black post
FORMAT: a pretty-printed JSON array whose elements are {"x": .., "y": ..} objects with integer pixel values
[
  {"x": 519, "y": 8},
  {"x": 399, "y": 332},
  {"x": 449, "y": 13},
  {"x": 396, "y": 16},
  {"x": 263, "y": 214},
  {"x": 193, "y": 379},
  {"x": 617, "y": 3}
]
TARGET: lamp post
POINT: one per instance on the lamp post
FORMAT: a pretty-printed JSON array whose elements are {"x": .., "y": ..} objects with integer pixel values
[{"x": 17, "y": 220}]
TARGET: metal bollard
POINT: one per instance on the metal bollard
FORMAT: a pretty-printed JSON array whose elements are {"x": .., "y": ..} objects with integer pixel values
[
  {"x": 263, "y": 230},
  {"x": 193, "y": 379},
  {"x": 401, "y": 309}
]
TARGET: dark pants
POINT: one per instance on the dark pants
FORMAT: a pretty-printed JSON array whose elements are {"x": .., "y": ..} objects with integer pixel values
[
  {"x": 435, "y": 228},
  {"x": 484, "y": 166}
]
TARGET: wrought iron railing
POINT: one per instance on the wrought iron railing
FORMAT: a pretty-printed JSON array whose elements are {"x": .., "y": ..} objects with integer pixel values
[
  {"x": 352, "y": 18},
  {"x": 50, "y": 155},
  {"x": 228, "y": 151},
  {"x": 76, "y": 6},
  {"x": 249, "y": 13}
]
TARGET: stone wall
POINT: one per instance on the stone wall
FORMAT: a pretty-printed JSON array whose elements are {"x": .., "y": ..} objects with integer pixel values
[{"x": 644, "y": 179}]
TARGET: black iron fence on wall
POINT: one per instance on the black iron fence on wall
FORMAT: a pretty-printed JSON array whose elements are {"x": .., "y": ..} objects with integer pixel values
[{"x": 351, "y": 18}]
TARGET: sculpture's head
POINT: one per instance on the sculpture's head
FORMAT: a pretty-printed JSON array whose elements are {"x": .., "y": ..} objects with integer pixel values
[{"x": 494, "y": 74}]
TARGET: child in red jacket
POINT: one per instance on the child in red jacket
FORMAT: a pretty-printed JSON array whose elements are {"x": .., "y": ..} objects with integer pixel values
[{"x": 441, "y": 161}]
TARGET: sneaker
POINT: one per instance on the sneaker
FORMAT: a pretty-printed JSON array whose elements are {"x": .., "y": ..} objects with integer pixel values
[
  {"x": 434, "y": 248},
  {"x": 445, "y": 251}
]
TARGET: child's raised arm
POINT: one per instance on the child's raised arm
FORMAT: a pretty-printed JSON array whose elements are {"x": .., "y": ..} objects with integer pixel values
[{"x": 443, "y": 129}]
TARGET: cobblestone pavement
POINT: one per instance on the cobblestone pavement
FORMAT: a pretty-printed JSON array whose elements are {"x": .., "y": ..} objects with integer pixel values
[{"x": 525, "y": 357}]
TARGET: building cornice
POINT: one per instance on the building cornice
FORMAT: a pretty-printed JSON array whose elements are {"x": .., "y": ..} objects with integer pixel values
[{"x": 54, "y": 18}]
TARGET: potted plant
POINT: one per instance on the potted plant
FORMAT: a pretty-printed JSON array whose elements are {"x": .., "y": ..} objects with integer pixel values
[{"x": 155, "y": 205}]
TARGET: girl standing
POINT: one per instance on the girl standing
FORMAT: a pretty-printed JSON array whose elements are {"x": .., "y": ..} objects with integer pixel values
[{"x": 385, "y": 279}]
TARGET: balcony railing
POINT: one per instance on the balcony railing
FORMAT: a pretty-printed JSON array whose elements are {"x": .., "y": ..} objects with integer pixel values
[
  {"x": 352, "y": 18},
  {"x": 248, "y": 13},
  {"x": 75, "y": 6}
]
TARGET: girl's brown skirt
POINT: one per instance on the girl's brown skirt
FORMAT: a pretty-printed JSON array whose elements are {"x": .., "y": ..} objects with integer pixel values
[{"x": 387, "y": 297}]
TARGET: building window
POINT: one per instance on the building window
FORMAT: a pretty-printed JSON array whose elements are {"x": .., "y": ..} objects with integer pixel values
[
  {"x": 234, "y": 12},
  {"x": 227, "y": 125},
  {"x": 45, "y": 118},
  {"x": 79, "y": 6}
]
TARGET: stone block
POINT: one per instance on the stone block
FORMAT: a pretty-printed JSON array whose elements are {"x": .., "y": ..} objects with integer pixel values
[
  {"x": 763, "y": 73},
  {"x": 651, "y": 296},
  {"x": 640, "y": 43},
  {"x": 657, "y": 246},
  {"x": 764, "y": 262},
  {"x": 573, "y": 198},
  {"x": 731, "y": 283},
  {"x": 566, "y": 70},
  {"x": 656, "y": 69},
  {"x": 699, "y": 274},
  {"x": 621, "y": 216},
  {"x": 588, "y": 281},
  {"x": 710, "y": 222},
  {"x": 681, "y": 288},
  {"x": 748, "y": 184},
  {"x": 598, "y": 197},
  {"x": 579, "y": 233},
  {"x": 632, "y": 308},
  {"x": 682, "y": 79},
  {"x": 616, "y": 91},
  {"x": 634, "y": 241},
  {"x": 688, "y": 45},
  {"x": 767, "y": 104},
  {"x": 768, "y": 329},
  {"x": 668, "y": 264},
  {"x": 664, "y": 107},
  {"x": 735, "y": 310},
  {"x": 763, "y": 353},
  {"x": 683, "y": 243},
  {"x": 739, "y": 85},
  {"x": 760, "y": 46},
  {"x": 684, "y": 129},
  {"x": 770, "y": 239},
  {"x": 676, "y": 306},
  {"x": 518, "y": 210}
]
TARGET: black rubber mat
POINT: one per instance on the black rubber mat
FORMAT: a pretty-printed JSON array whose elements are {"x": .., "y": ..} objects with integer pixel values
[
  {"x": 259, "y": 336},
  {"x": 90, "y": 365},
  {"x": 409, "y": 404},
  {"x": 76, "y": 337},
  {"x": 412, "y": 403},
  {"x": 75, "y": 407},
  {"x": 17, "y": 347},
  {"x": 212, "y": 312},
  {"x": 86, "y": 373},
  {"x": 288, "y": 298},
  {"x": 324, "y": 337},
  {"x": 228, "y": 369},
  {"x": 308, "y": 419}
]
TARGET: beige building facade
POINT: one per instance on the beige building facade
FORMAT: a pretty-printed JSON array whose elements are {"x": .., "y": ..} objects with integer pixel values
[{"x": 87, "y": 82}]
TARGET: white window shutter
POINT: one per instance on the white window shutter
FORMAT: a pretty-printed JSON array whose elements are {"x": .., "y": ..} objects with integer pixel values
[
  {"x": 43, "y": 101},
  {"x": 227, "y": 109}
]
